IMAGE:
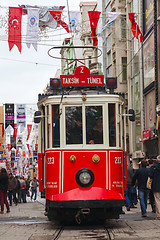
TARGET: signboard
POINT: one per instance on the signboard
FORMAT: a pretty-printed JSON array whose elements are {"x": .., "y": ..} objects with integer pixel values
[
  {"x": 82, "y": 78},
  {"x": 146, "y": 134},
  {"x": 148, "y": 18},
  {"x": 138, "y": 154}
]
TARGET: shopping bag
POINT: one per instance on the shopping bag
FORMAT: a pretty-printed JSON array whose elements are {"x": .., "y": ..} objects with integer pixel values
[{"x": 149, "y": 183}]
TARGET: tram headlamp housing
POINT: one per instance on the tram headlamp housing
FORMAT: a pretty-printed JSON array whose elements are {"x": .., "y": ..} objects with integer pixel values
[{"x": 84, "y": 177}]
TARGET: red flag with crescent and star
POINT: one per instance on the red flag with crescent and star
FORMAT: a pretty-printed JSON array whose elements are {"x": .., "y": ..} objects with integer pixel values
[
  {"x": 56, "y": 14},
  {"x": 135, "y": 28},
  {"x": 14, "y": 27},
  {"x": 94, "y": 18}
]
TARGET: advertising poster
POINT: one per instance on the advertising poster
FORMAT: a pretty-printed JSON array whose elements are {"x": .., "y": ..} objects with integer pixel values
[
  {"x": 9, "y": 115},
  {"x": 148, "y": 19},
  {"x": 148, "y": 59},
  {"x": 21, "y": 116},
  {"x": 150, "y": 107}
]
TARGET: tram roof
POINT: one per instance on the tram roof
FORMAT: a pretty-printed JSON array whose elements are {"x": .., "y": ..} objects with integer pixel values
[{"x": 75, "y": 93}]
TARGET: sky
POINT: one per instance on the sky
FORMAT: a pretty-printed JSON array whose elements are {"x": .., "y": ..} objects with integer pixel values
[{"x": 24, "y": 75}]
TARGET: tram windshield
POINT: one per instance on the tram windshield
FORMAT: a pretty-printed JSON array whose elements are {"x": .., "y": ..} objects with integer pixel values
[{"x": 93, "y": 131}]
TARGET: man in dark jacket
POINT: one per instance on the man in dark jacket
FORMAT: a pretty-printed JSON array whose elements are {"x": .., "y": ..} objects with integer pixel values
[
  {"x": 154, "y": 173},
  {"x": 141, "y": 175},
  {"x": 129, "y": 187}
]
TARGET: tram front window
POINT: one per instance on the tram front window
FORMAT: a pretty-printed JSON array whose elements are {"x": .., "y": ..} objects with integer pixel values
[
  {"x": 73, "y": 125},
  {"x": 94, "y": 125}
]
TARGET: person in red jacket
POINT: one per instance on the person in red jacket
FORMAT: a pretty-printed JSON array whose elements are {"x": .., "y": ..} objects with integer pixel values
[
  {"x": 22, "y": 189},
  {"x": 3, "y": 190}
]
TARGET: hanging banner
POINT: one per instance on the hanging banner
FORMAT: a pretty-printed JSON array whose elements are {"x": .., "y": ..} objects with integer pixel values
[
  {"x": 14, "y": 27},
  {"x": 19, "y": 142},
  {"x": 32, "y": 27},
  {"x": 56, "y": 14},
  {"x": 94, "y": 18},
  {"x": 29, "y": 128},
  {"x": 21, "y": 116},
  {"x": 15, "y": 131},
  {"x": 74, "y": 19},
  {"x": 9, "y": 115}
]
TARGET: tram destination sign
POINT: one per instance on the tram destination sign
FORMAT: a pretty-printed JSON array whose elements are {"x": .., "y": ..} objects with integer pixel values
[{"x": 82, "y": 78}]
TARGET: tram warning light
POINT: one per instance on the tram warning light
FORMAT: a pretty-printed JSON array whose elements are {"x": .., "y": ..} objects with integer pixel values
[
  {"x": 111, "y": 82},
  {"x": 55, "y": 83}
]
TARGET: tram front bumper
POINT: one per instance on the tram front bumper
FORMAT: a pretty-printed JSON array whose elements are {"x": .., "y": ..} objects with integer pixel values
[{"x": 92, "y": 197}]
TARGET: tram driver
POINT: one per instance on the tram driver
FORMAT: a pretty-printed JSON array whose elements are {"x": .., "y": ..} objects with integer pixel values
[{"x": 96, "y": 134}]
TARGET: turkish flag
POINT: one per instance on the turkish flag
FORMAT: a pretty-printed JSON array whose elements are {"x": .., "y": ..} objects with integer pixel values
[
  {"x": 29, "y": 128},
  {"x": 9, "y": 147},
  {"x": 135, "y": 28},
  {"x": 15, "y": 131},
  {"x": 14, "y": 27},
  {"x": 56, "y": 14},
  {"x": 94, "y": 18},
  {"x": 36, "y": 147}
]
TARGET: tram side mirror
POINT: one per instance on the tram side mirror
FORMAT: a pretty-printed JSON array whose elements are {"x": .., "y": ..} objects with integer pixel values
[
  {"x": 131, "y": 115},
  {"x": 37, "y": 117}
]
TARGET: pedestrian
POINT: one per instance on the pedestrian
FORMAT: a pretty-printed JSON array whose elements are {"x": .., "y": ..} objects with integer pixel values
[
  {"x": 129, "y": 187},
  {"x": 18, "y": 187},
  {"x": 141, "y": 176},
  {"x": 154, "y": 174},
  {"x": 22, "y": 189},
  {"x": 151, "y": 196},
  {"x": 34, "y": 185},
  {"x": 12, "y": 189},
  {"x": 3, "y": 190},
  {"x": 28, "y": 186}
]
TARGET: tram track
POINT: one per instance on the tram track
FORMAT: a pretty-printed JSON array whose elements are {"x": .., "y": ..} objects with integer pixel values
[
  {"x": 82, "y": 232},
  {"x": 58, "y": 233}
]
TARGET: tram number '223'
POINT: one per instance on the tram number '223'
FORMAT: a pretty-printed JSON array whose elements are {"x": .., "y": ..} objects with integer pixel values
[
  {"x": 118, "y": 160},
  {"x": 50, "y": 160}
]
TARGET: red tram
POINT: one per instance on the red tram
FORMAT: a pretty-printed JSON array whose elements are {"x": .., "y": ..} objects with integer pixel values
[{"x": 81, "y": 159}]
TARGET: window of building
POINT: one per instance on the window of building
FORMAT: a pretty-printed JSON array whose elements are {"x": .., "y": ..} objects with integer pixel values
[
  {"x": 123, "y": 27},
  {"x": 124, "y": 69}
]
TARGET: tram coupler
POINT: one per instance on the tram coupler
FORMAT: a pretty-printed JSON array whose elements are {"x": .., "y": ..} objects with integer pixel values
[
  {"x": 81, "y": 214},
  {"x": 85, "y": 211}
]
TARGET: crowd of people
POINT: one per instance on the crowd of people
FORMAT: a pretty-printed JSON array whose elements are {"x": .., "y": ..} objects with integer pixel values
[
  {"x": 15, "y": 189},
  {"x": 148, "y": 171}
]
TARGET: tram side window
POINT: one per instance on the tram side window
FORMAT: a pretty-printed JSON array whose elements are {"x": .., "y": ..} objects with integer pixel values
[
  {"x": 56, "y": 128},
  {"x": 74, "y": 133},
  {"x": 94, "y": 125},
  {"x": 112, "y": 125}
]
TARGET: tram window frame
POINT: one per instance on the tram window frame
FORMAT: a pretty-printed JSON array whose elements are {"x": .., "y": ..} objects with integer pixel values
[
  {"x": 48, "y": 126},
  {"x": 55, "y": 126},
  {"x": 73, "y": 125},
  {"x": 111, "y": 123}
]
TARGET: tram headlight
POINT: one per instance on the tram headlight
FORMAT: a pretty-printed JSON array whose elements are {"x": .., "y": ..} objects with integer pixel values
[{"x": 84, "y": 177}]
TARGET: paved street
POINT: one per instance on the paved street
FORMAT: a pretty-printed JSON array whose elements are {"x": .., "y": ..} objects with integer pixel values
[{"x": 26, "y": 221}]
